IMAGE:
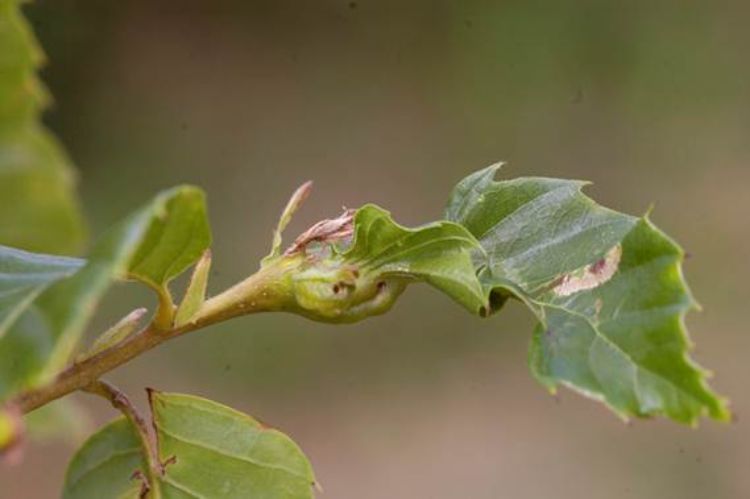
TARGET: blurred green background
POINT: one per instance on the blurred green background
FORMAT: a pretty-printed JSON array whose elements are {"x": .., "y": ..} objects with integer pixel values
[{"x": 393, "y": 102}]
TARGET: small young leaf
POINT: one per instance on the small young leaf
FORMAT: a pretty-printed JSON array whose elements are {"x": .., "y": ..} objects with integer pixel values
[
  {"x": 607, "y": 289},
  {"x": 208, "y": 449},
  {"x": 195, "y": 294},
  {"x": 176, "y": 238},
  {"x": 291, "y": 207},
  {"x": 124, "y": 328},
  {"x": 178, "y": 234},
  {"x": 41, "y": 339}
]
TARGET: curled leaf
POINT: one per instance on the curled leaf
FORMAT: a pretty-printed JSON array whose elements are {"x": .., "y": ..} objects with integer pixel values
[
  {"x": 607, "y": 289},
  {"x": 365, "y": 279}
]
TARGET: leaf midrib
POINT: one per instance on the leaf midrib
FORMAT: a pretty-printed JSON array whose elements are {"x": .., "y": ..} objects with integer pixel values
[{"x": 231, "y": 455}]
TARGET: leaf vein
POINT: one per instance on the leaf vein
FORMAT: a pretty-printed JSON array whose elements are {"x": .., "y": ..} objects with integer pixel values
[{"x": 232, "y": 455}]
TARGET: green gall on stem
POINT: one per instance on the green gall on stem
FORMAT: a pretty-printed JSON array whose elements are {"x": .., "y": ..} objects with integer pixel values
[
  {"x": 322, "y": 289},
  {"x": 312, "y": 277},
  {"x": 333, "y": 290},
  {"x": 355, "y": 266}
]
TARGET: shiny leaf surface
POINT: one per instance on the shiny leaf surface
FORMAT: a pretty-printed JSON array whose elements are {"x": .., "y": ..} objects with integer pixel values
[{"x": 606, "y": 288}]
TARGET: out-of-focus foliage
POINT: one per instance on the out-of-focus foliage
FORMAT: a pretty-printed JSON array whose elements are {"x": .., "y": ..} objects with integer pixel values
[
  {"x": 40, "y": 212},
  {"x": 44, "y": 315}
]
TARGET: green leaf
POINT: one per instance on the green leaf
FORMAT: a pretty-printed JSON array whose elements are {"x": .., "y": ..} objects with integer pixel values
[
  {"x": 177, "y": 236},
  {"x": 43, "y": 332},
  {"x": 607, "y": 289},
  {"x": 437, "y": 253},
  {"x": 117, "y": 333},
  {"x": 38, "y": 208},
  {"x": 195, "y": 294},
  {"x": 338, "y": 279},
  {"x": 11, "y": 433},
  {"x": 209, "y": 450},
  {"x": 23, "y": 277},
  {"x": 104, "y": 465}
]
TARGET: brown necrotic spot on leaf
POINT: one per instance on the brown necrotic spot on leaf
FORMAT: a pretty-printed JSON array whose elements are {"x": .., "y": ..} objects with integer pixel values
[{"x": 591, "y": 276}]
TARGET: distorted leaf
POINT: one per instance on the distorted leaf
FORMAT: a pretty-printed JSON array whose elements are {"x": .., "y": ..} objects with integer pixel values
[
  {"x": 607, "y": 289},
  {"x": 437, "y": 253},
  {"x": 358, "y": 270}
]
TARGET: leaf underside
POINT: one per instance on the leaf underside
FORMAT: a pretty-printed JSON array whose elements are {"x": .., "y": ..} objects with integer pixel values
[
  {"x": 212, "y": 451},
  {"x": 46, "y": 302},
  {"x": 607, "y": 290}
]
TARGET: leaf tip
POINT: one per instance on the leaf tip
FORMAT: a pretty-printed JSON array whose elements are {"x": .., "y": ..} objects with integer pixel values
[
  {"x": 723, "y": 411},
  {"x": 490, "y": 172}
]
